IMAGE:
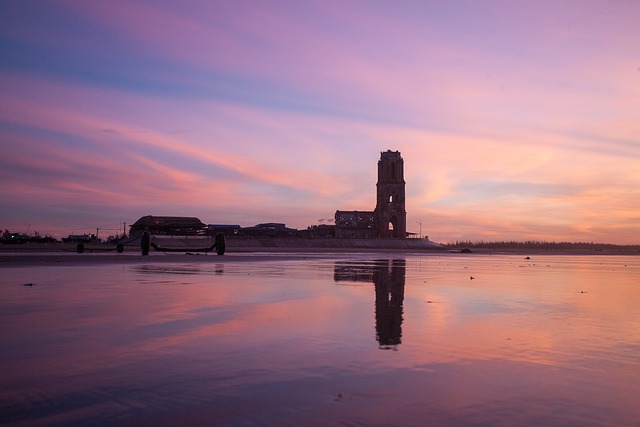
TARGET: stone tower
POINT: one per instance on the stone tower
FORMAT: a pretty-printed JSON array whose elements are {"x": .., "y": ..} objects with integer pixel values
[{"x": 391, "y": 216}]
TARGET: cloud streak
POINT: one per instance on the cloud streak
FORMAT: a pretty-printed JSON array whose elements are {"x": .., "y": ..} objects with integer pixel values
[{"x": 514, "y": 122}]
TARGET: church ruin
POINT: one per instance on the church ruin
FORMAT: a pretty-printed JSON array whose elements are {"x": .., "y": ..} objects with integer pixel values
[{"x": 389, "y": 219}]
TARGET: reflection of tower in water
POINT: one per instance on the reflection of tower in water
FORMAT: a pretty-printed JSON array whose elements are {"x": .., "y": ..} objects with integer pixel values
[
  {"x": 388, "y": 276},
  {"x": 389, "y": 283}
]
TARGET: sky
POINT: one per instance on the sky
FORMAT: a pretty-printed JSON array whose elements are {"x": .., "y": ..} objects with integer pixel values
[{"x": 517, "y": 120}]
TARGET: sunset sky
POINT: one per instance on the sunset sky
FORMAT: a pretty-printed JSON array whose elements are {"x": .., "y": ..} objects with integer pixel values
[{"x": 517, "y": 120}]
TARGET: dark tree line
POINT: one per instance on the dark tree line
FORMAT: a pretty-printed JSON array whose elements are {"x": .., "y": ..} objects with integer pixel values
[{"x": 543, "y": 245}]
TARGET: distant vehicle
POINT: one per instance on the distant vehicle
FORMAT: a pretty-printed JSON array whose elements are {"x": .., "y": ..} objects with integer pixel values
[
  {"x": 20, "y": 238},
  {"x": 15, "y": 239}
]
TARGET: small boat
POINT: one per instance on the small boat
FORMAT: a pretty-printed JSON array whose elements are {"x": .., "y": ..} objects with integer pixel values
[{"x": 219, "y": 245}]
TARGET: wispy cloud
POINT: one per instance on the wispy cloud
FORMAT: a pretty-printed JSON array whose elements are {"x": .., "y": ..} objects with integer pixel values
[{"x": 515, "y": 121}]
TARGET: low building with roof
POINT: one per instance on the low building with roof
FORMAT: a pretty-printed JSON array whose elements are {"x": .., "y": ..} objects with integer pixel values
[
  {"x": 269, "y": 229},
  {"x": 226, "y": 229}
]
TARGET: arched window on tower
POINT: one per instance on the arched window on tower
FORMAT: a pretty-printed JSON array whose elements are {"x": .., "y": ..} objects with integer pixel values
[
  {"x": 393, "y": 227},
  {"x": 392, "y": 170}
]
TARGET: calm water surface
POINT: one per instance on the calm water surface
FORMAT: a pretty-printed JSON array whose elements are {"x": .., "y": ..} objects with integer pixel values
[{"x": 347, "y": 340}]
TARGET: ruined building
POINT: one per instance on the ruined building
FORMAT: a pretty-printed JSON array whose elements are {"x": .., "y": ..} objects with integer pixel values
[{"x": 389, "y": 219}]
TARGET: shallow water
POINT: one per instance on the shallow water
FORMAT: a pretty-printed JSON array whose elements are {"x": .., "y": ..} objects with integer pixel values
[{"x": 349, "y": 339}]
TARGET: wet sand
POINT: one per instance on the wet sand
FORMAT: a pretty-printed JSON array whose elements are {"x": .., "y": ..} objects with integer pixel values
[
  {"x": 246, "y": 250},
  {"x": 332, "y": 338},
  {"x": 71, "y": 257},
  {"x": 66, "y": 254}
]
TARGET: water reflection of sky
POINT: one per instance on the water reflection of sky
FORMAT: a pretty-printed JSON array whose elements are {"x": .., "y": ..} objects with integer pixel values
[{"x": 549, "y": 340}]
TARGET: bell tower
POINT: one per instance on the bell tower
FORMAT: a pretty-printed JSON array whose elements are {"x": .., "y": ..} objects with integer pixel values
[{"x": 390, "y": 213}]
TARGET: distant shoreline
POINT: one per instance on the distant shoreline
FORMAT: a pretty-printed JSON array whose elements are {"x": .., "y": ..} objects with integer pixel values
[
  {"x": 265, "y": 250},
  {"x": 243, "y": 245},
  {"x": 246, "y": 245}
]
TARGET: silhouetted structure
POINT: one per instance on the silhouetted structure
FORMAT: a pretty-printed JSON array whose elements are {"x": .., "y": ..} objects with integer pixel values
[
  {"x": 269, "y": 229},
  {"x": 356, "y": 225},
  {"x": 315, "y": 231},
  {"x": 226, "y": 229},
  {"x": 388, "y": 276},
  {"x": 391, "y": 215},
  {"x": 168, "y": 225},
  {"x": 389, "y": 219},
  {"x": 79, "y": 238}
]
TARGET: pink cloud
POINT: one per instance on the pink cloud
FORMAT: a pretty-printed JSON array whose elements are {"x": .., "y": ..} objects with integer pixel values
[
  {"x": 544, "y": 101},
  {"x": 62, "y": 119}
]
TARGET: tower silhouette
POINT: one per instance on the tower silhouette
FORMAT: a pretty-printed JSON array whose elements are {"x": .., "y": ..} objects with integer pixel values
[{"x": 391, "y": 216}]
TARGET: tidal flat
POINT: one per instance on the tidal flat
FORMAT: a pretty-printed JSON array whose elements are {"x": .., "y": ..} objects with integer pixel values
[{"x": 321, "y": 339}]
